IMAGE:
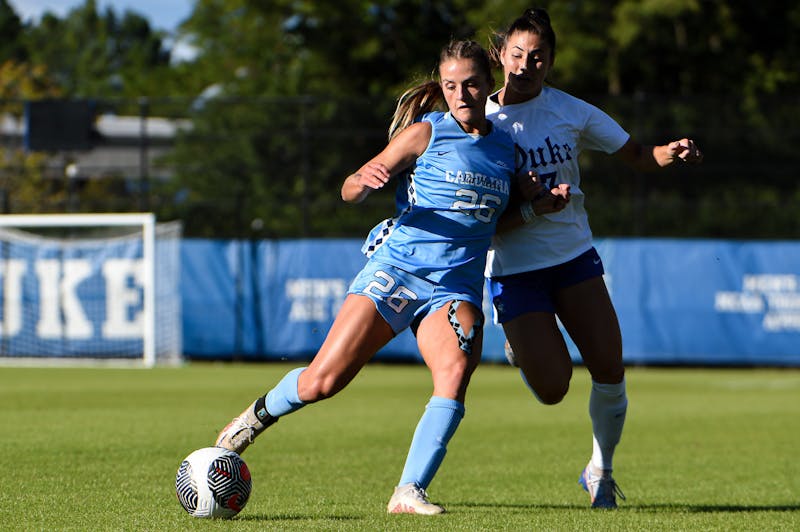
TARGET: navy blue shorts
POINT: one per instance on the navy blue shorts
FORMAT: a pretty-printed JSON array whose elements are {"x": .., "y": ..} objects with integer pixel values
[{"x": 517, "y": 294}]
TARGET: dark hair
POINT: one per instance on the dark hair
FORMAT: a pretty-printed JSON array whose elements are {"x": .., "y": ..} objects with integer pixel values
[
  {"x": 428, "y": 96},
  {"x": 534, "y": 20}
]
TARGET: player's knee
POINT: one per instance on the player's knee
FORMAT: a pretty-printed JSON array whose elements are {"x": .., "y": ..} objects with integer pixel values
[
  {"x": 550, "y": 393},
  {"x": 318, "y": 388},
  {"x": 552, "y": 396},
  {"x": 451, "y": 375},
  {"x": 455, "y": 371}
]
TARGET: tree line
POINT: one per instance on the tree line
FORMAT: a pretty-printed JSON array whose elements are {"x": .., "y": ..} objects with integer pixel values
[{"x": 286, "y": 98}]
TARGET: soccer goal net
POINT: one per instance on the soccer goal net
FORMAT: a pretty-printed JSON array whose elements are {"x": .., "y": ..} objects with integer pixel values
[{"x": 91, "y": 288}]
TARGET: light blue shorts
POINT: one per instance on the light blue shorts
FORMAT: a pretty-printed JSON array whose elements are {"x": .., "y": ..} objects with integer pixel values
[{"x": 404, "y": 299}]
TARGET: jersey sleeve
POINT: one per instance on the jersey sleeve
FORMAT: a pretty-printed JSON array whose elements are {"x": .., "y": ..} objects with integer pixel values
[{"x": 601, "y": 132}]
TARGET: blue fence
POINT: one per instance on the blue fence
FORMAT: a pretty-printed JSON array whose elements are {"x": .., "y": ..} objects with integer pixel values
[{"x": 695, "y": 302}]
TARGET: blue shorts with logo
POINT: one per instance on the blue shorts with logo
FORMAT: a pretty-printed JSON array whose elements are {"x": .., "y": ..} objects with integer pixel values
[
  {"x": 519, "y": 293},
  {"x": 404, "y": 299}
]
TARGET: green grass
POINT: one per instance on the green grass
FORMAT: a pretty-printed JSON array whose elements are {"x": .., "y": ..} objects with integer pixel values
[{"x": 97, "y": 449}]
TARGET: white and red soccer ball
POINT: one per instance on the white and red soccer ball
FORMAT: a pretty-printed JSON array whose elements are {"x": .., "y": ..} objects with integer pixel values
[{"x": 213, "y": 482}]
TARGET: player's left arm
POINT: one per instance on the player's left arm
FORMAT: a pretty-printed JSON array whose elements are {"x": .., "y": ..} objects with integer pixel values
[
  {"x": 648, "y": 157},
  {"x": 399, "y": 154}
]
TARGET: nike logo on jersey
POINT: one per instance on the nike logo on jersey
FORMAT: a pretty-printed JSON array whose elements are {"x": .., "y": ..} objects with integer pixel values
[{"x": 440, "y": 153}]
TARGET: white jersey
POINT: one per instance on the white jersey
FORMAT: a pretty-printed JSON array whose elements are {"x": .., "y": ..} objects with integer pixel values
[{"x": 549, "y": 132}]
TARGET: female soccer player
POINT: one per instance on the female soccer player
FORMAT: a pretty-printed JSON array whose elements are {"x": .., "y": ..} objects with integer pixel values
[
  {"x": 547, "y": 266},
  {"x": 425, "y": 267}
]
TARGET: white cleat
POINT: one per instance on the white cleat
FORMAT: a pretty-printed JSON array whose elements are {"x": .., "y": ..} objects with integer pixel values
[
  {"x": 240, "y": 433},
  {"x": 411, "y": 499},
  {"x": 602, "y": 488}
]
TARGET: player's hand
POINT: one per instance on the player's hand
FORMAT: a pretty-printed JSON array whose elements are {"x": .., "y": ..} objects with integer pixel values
[
  {"x": 372, "y": 175},
  {"x": 530, "y": 186},
  {"x": 685, "y": 150},
  {"x": 553, "y": 200}
]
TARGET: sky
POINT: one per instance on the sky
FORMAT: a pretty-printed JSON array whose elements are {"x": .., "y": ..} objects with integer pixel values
[{"x": 162, "y": 14}]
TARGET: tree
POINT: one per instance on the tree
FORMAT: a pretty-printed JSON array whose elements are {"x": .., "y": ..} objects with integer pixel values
[
  {"x": 22, "y": 185},
  {"x": 298, "y": 102},
  {"x": 86, "y": 54},
  {"x": 98, "y": 55},
  {"x": 23, "y": 81},
  {"x": 286, "y": 97},
  {"x": 11, "y": 48},
  {"x": 724, "y": 73}
]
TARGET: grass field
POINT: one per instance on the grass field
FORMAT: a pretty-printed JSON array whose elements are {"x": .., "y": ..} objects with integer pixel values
[{"x": 97, "y": 449}]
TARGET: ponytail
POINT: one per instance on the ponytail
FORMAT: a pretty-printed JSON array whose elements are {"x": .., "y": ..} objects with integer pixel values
[{"x": 418, "y": 100}]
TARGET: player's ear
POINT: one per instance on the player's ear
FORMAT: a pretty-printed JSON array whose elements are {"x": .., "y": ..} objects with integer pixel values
[{"x": 501, "y": 56}]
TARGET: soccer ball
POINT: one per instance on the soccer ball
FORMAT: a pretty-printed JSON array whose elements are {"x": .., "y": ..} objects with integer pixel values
[{"x": 213, "y": 482}]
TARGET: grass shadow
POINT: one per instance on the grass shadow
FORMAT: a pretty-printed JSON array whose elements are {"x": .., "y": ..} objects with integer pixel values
[
  {"x": 688, "y": 508},
  {"x": 718, "y": 508},
  {"x": 296, "y": 517}
]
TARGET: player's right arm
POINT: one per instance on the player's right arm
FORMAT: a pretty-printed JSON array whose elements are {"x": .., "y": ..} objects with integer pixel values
[{"x": 399, "y": 154}]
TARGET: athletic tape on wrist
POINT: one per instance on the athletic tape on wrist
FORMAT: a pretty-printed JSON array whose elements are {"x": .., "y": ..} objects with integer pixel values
[{"x": 526, "y": 210}]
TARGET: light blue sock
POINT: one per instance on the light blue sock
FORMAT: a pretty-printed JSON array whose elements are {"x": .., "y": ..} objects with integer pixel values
[
  {"x": 283, "y": 398},
  {"x": 434, "y": 430}
]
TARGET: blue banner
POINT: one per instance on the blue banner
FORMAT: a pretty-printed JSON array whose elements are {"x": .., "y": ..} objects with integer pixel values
[
  {"x": 678, "y": 301},
  {"x": 268, "y": 299},
  {"x": 66, "y": 299},
  {"x": 705, "y": 301}
]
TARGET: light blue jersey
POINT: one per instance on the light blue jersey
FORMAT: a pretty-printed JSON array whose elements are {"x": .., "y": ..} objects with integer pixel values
[
  {"x": 448, "y": 204},
  {"x": 434, "y": 250}
]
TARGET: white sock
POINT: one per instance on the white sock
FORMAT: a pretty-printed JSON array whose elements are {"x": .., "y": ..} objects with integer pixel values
[{"x": 608, "y": 404}]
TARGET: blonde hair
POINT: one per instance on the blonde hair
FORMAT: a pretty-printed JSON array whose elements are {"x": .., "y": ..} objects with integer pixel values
[
  {"x": 428, "y": 96},
  {"x": 416, "y": 101}
]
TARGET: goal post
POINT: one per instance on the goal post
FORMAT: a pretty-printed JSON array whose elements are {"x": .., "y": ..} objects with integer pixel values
[{"x": 90, "y": 287}]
